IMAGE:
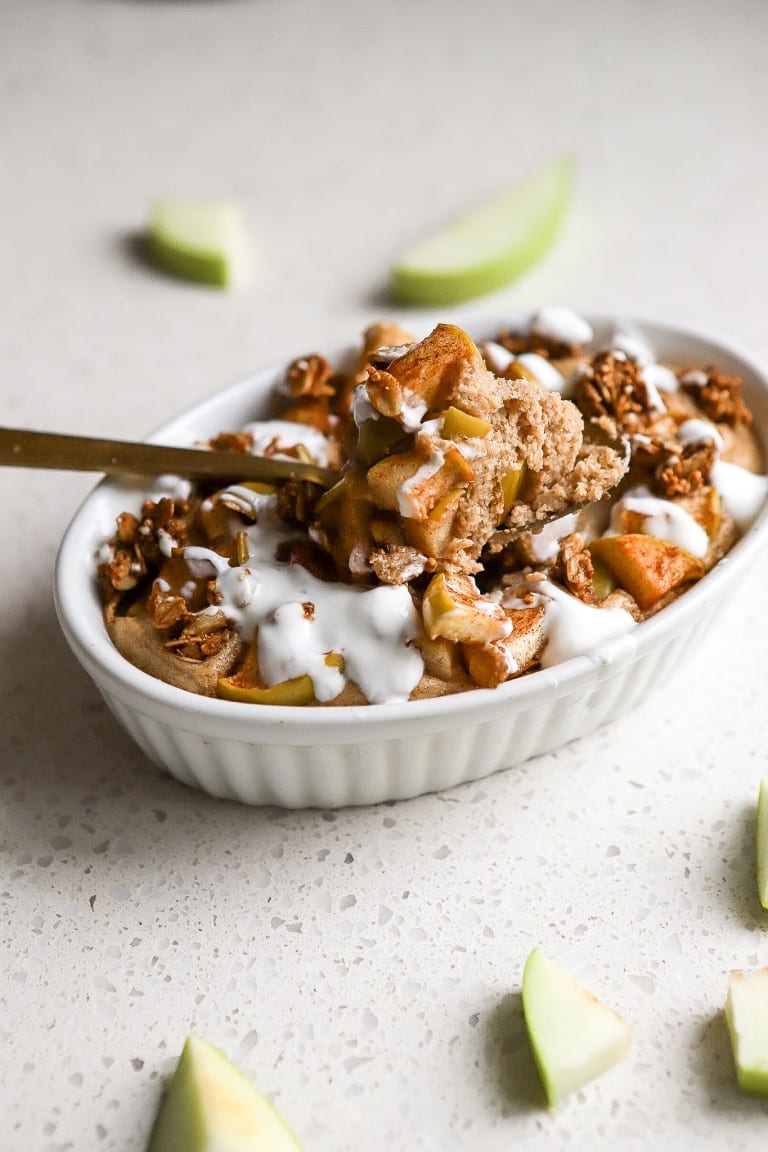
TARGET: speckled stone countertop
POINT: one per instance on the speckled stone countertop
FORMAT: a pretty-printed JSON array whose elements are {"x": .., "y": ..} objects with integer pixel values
[{"x": 363, "y": 966}]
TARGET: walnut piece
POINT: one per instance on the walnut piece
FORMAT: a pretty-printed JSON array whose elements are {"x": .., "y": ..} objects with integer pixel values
[{"x": 309, "y": 376}]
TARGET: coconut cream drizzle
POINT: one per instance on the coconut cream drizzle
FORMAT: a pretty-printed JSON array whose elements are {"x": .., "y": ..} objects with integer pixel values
[
  {"x": 572, "y": 627},
  {"x": 657, "y": 379},
  {"x": 662, "y": 519},
  {"x": 497, "y": 357},
  {"x": 407, "y": 490},
  {"x": 545, "y": 544},
  {"x": 743, "y": 492},
  {"x": 632, "y": 345},
  {"x": 287, "y": 434},
  {"x": 544, "y": 371},
  {"x": 300, "y": 619},
  {"x": 562, "y": 325}
]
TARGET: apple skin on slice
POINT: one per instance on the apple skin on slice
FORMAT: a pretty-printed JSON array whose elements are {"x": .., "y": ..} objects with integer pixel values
[
  {"x": 199, "y": 240},
  {"x": 762, "y": 843},
  {"x": 488, "y": 246},
  {"x": 747, "y": 1015},
  {"x": 573, "y": 1036},
  {"x": 211, "y": 1106}
]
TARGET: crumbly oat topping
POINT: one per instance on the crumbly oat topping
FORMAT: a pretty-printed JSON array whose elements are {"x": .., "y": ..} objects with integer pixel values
[
  {"x": 613, "y": 389},
  {"x": 719, "y": 397},
  {"x": 684, "y": 468}
]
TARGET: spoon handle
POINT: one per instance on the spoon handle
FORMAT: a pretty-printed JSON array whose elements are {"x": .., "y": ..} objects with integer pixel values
[{"x": 23, "y": 448}]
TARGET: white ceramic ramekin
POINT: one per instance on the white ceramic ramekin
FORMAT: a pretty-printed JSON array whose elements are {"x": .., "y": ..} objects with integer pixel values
[{"x": 332, "y": 757}]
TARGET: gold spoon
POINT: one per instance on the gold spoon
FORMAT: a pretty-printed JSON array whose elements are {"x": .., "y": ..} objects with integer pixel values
[{"x": 22, "y": 448}]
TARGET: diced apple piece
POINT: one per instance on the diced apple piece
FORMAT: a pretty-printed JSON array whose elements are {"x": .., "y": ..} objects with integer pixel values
[
  {"x": 488, "y": 246},
  {"x": 211, "y": 1106},
  {"x": 377, "y": 438},
  {"x": 573, "y": 1036},
  {"x": 344, "y": 515},
  {"x": 397, "y": 484},
  {"x": 458, "y": 423},
  {"x": 603, "y": 580},
  {"x": 243, "y": 687},
  {"x": 491, "y": 664},
  {"x": 645, "y": 566},
  {"x": 747, "y": 1015},
  {"x": 434, "y": 535},
  {"x": 442, "y": 658},
  {"x": 704, "y": 505},
  {"x": 762, "y": 843},
  {"x": 199, "y": 240},
  {"x": 291, "y": 693},
  {"x": 511, "y": 482},
  {"x": 432, "y": 369},
  {"x": 455, "y": 610}
]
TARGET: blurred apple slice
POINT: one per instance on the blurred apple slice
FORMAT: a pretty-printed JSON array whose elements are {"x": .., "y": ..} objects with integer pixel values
[
  {"x": 762, "y": 843},
  {"x": 199, "y": 240},
  {"x": 747, "y": 1016},
  {"x": 212, "y": 1107},
  {"x": 488, "y": 246},
  {"x": 574, "y": 1037}
]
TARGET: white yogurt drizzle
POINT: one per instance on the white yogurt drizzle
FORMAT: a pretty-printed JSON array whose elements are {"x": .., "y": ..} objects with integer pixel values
[
  {"x": 370, "y": 628},
  {"x": 166, "y": 542},
  {"x": 176, "y": 487},
  {"x": 632, "y": 344},
  {"x": 288, "y": 434},
  {"x": 543, "y": 371},
  {"x": 545, "y": 544},
  {"x": 497, "y": 357},
  {"x": 410, "y": 414},
  {"x": 572, "y": 627},
  {"x": 743, "y": 492},
  {"x": 406, "y": 491},
  {"x": 658, "y": 378},
  {"x": 562, "y": 325},
  {"x": 662, "y": 519}
]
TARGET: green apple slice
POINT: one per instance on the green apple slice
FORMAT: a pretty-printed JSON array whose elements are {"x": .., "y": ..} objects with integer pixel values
[
  {"x": 747, "y": 1016},
  {"x": 762, "y": 843},
  {"x": 212, "y": 1107},
  {"x": 488, "y": 246},
  {"x": 574, "y": 1037},
  {"x": 199, "y": 240}
]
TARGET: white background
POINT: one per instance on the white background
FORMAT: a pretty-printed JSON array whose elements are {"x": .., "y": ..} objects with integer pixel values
[{"x": 363, "y": 966}]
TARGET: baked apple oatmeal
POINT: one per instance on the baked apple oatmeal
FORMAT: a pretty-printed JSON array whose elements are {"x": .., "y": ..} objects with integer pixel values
[{"x": 500, "y": 508}]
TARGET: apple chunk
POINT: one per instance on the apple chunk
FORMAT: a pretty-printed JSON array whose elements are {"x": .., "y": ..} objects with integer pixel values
[
  {"x": 647, "y": 567},
  {"x": 747, "y": 1015},
  {"x": 574, "y": 1037},
  {"x": 212, "y": 1107},
  {"x": 199, "y": 240}
]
